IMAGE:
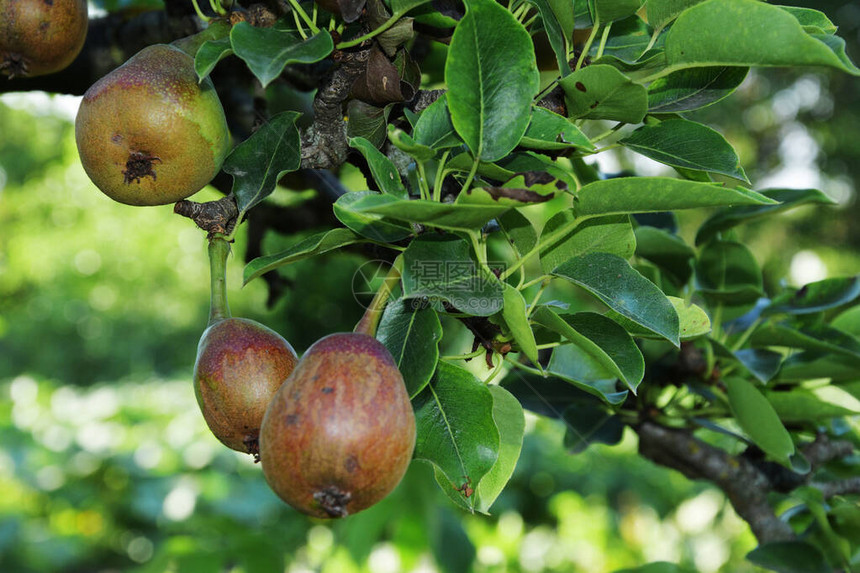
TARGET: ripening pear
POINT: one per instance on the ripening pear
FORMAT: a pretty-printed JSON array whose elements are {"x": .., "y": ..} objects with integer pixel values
[
  {"x": 339, "y": 434},
  {"x": 148, "y": 133},
  {"x": 39, "y": 37}
]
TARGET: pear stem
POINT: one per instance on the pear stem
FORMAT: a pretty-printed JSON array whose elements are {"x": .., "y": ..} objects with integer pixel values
[
  {"x": 370, "y": 320},
  {"x": 219, "y": 249}
]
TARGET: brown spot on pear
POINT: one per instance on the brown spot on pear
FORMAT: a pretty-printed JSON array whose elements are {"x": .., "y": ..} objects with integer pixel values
[
  {"x": 148, "y": 133},
  {"x": 39, "y": 37},
  {"x": 355, "y": 433},
  {"x": 240, "y": 365}
]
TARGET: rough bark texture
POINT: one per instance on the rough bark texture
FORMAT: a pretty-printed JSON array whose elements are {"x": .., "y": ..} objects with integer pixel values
[{"x": 746, "y": 481}]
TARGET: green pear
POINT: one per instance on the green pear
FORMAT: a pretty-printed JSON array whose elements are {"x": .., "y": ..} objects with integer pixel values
[{"x": 148, "y": 133}]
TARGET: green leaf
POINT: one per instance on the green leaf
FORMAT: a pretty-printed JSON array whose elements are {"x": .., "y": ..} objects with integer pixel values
[
  {"x": 434, "y": 128},
  {"x": 268, "y": 50},
  {"x": 543, "y": 396},
  {"x": 815, "y": 297},
  {"x": 606, "y": 11},
  {"x": 209, "y": 54},
  {"x": 693, "y": 321},
  {"x": 510, "y": 422},
  {"x": 310, "y": 247},
  {"x": 367, "y": 121},
  {"x": 411, "y": 333},
  {"x": 372, "y": 226},
  {"x": 805, "y": 366},
  {"x": 689, "y": 89},
  {"x": 848, "y": 321},
  {"x": 514, "y": 315},
  {"x": 745, "y": 33},
  {"x": 787, "y": 199},
  {"x": 655, "y": 194},
  {"x": 789, "y": 557},
  {"x": 518, "y": 230},
  {"x": 666, "y": 250},
  {"x": 564, "y": 15},
  {"x": 813, "y": 21},
  {"x": 555, "y": 30},
  {"x": 492, "y": 77},
  {"x": 728, "y": 272},
  {"x": 257, "y": 163},
  {"x": 453, "y": 216},
  {"x": 661, "y": 12},
  {"x": 574, "y": 364},
  {"x": 611, "y": 234},
  {"x": 686, "y": 144},
  {"x": 382, "y": 169},
  {"x": 589, "y": 422},
  {"x": 404, "y": 142},
  {"x": 602, "y": 339},
  {"x": 455, "y": 427},
  {"x": 614, "y": 282},
  {"x": 761, "y": 363},
  {"x": 815, "y": 405},
  {"x": 820, "y": 338},
  {"x": 550, "y": 131},
  {"x": 403, "y": 6},
  {"x": 759, "y": 420},
  {"x": 442, "y": 268},
  {"x": 627, "y": 42},
  {"x": 600, "y": 91}
]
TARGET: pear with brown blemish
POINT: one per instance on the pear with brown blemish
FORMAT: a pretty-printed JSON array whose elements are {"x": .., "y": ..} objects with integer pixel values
[
  {"x": 339, "y": 434},
  {"x": 148, "y": 133},
  {"x": 39, "y": 37},
  {"x": 240, "y": 365}
]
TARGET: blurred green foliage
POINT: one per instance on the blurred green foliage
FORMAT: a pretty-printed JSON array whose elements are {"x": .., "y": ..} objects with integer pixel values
[{"x": 125, "y": 476}]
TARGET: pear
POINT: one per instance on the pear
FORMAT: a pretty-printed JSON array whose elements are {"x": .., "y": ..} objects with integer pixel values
[
  {"x": 148, "y": 133},
  {"x": 240, "y": 365},
  {"x": 339, "y": 434},
  {"x": 39, "y": 37}
]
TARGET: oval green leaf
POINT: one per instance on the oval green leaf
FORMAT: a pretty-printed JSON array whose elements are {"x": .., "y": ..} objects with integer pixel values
[
  {"x": 600, "y": 91},
  {"x": 310, "y": 247},
  {"x": 784, "y": 199},
  {"x": 655, "y": 194},
  {"x": 759, "y": 420},
  {"x": 613, "y": 281},
  {"x": 372, "y": 226},
  {"x": 267, "y": 51},
  {"x": 745, "y": 33},
  {"x": 455, "y": 428},
  {"x": 516, "y": 319},
  {"x": 411, "y": 333},
  {"x": 492, "y": 77},
  {"x": 441, "y": 268},
  {"x": 510, "y": 422},
  {"x": 381, "y": 168},
  {"x": 694, "y": 88},
  {"x": 257, "y": 163},
  {"x": 564, "y": 237},
  {"x": 688, "y": 145}
]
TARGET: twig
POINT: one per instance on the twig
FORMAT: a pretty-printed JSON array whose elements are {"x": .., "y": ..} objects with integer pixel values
[
  {"x": 324, "y": 144},
  {"x": 745, "y": 486}
]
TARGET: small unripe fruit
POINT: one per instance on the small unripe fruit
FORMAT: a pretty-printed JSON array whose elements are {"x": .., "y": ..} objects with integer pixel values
[
  {"x": 39, "y": 37},
  {"x": 339, "y": 434},
  {"x": 148, "y": 133},
  {"x": 240, "y": 365}
]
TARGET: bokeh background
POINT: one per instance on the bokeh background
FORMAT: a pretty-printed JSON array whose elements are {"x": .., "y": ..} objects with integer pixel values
[{"x": 106, "y": 463}]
